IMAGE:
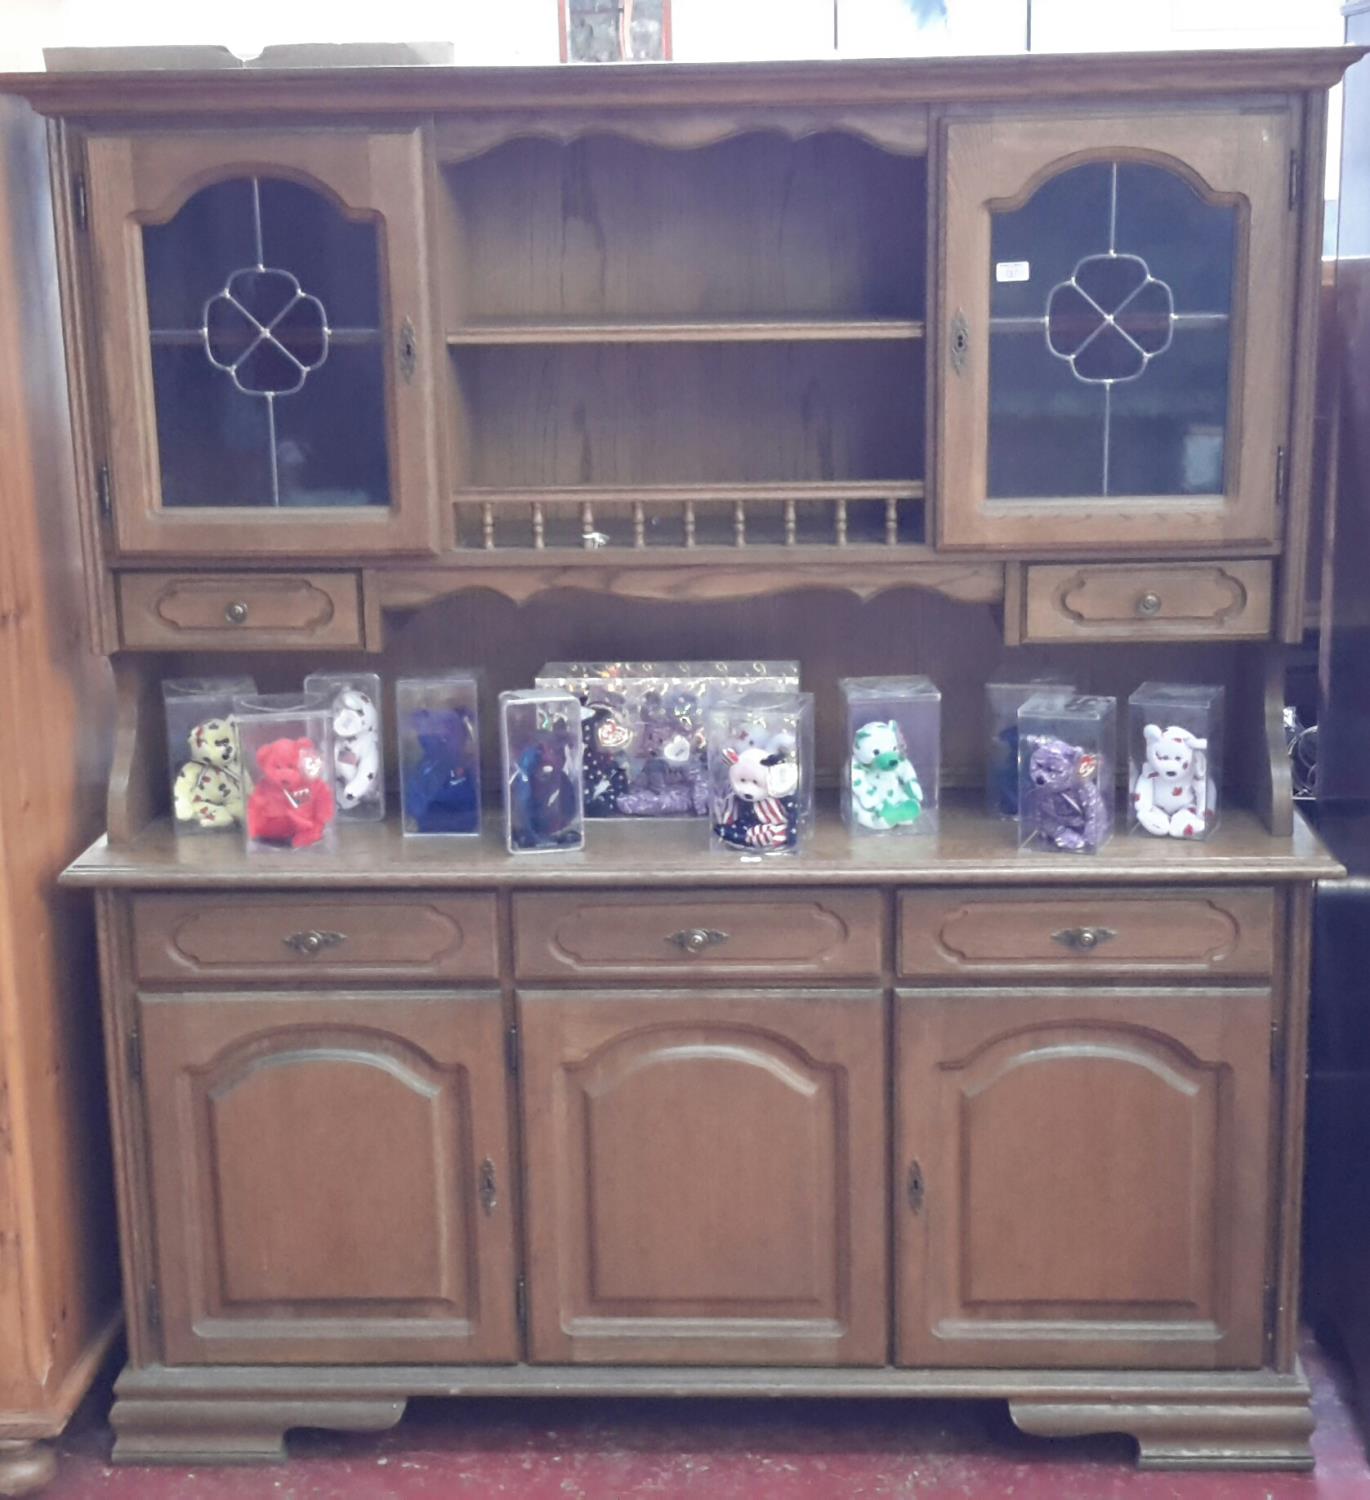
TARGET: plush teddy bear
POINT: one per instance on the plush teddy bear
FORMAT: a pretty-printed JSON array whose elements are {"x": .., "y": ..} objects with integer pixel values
[
  {"x": 1062, "y": 800},
  {"x": 292, "y": 802},
  {"x": 760, "y": 811},
  {"x": 356, "y": 749},
  {"x": 442, "y": 786},
  {"x": 885, "y": 790},
  {"x": 1174, "y": 792},
  {"x": 207, "y": 791}
]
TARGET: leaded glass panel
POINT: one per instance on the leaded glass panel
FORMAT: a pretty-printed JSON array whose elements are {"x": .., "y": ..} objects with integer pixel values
[
  {"x": 1109, "y": 339},
  {"x": 268, "y": 380}
]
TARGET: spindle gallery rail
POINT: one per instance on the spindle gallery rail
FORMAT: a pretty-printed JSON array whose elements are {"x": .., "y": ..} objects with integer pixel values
[{"x": 815, "y": 516}]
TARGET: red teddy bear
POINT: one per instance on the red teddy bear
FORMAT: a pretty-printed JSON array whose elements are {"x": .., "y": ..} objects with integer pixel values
[{"x": 292, "y": 803}]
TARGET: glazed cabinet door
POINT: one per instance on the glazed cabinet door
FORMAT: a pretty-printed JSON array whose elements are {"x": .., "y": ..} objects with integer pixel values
[
  {"x": 1116, "y": 328},
  {"x": 262, "y": 305},
  {"x": 1082, "y": 1178},
  {"x": 705, "y": 1177},
  {"x": 330, "y": 1177}
]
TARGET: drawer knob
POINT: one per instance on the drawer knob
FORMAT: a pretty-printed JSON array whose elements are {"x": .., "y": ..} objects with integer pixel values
[
  {"x": 697, "y": 939},
  {"x": 307, "y": 944},
  {"x": 236, "y": 612},
  {"x": 1083, "y": 939},
  {"x": 1149, "y": 604}
]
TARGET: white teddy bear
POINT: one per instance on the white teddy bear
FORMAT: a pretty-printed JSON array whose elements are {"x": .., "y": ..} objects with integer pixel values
[
  {"x": 356, "y": 748},
  {"x": 1174, "y": 794},
  {"x": 207, "y": 791}
]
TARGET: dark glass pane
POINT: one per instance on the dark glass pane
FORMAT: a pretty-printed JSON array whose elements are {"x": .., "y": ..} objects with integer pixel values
[
  {"x": 331, "y": 435},
  {"x": 265, "y": 305},
  {"x": 1109, "y": 339},
  {"x": 1046, "y": 428},
  {"x": 1167, "y": 427},
  {"x": 188, "y": 259},
  {"x": 333, "y": 258},
  {"x": 1189, "y": 244},
  {"x": 1147, "y": 317},
  {"x": 1064, "y": 220},
  {"x": 1108, "y": 356},
  {"x": 214, "y": 443}
]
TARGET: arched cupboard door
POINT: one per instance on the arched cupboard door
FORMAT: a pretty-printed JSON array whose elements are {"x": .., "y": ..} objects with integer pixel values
[
  {"x": 331, "y": 1178},
  {"x": 1082, "y": 1178},
  {"x": 1115, "y": 330},
  {"x": 267, "y": 353},
  {"x": 705, "y": 1177}
]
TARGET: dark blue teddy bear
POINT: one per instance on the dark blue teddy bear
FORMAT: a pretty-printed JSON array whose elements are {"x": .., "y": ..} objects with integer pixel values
[{"x": 442, "y": 787}]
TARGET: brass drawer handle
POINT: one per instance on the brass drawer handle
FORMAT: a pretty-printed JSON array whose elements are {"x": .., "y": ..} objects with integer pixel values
[
  {"x": 308, "y": 944},
  {"x": 697, "y": 939},
  {"x": 236, "y": 612},
  {"x": 1083, "y": 939},
  {"x": 1149, "y": 604}
]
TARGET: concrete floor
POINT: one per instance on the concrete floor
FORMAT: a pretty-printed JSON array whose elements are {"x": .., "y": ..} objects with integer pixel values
[{"x": 574, "y": 1450}]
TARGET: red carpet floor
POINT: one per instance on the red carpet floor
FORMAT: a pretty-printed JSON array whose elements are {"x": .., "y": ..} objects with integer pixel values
[{"x": 571, "y": 1450}]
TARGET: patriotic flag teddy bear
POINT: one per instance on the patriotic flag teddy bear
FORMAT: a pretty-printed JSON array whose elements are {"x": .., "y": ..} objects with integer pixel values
[{"x": 760, "y": 811}]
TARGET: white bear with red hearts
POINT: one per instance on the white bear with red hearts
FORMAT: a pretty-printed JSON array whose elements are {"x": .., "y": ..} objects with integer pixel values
[{"x": 1173, "y": 796}]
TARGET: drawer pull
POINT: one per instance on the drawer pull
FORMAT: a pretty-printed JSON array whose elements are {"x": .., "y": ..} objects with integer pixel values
[
  {"x": 1083, "y": 939},
  {"x": 236, "y": 612},
  {"x": 309, "y": 943},
  {"x": 1149, "y": 604},
  {"x": 915, "y": 1187},
  {"x": 697, "y": 939},
  {"x": 489, "y": 1193}
]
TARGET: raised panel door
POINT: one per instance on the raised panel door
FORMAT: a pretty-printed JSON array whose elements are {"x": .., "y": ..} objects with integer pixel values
[
  {"x": 331, "y": 1178},
  {"x": 1082, "y": 1178},
  {"x": 705, "y": 1177},
  {"x": 1116, "y": 325},
  {"x": 266, "y": 339}
]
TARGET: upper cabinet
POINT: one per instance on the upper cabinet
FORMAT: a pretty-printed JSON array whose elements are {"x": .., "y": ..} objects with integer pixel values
[
  {"x": 264, "y": 333},
  {"x": 1116, "y": 326}
]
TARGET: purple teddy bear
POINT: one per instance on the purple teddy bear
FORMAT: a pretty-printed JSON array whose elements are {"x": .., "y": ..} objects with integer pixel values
[{"x": 1062, "y": 801}]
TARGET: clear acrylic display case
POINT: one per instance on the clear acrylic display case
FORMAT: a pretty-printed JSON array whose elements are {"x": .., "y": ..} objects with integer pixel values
[
  {"x": 643, "y": 728},
  {"x": 1067, "y": 753},
  {"x": 358, "y": 742},
  {"x": 540, "y": 753},
  {"x": 761, "y": 773},
  {"x": 1175, "y": 745},
  {"x": 287, "y": 748},
  {"x": 1003, "y": 699},
  {"x": 437, "y": 719},
  {"x": 893, "y": 753},
  {"x": 202, "y": 752}
]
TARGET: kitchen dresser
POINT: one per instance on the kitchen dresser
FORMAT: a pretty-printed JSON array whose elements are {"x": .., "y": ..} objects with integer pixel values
[{"x": 883, "y": 366}]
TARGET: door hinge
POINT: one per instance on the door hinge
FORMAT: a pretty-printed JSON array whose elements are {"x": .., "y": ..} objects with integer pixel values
[
  {"x": 915, "y": 1187},
  {"x": 1276, "y": 1047},
  {"x": 1272, "y": 1311},
  {"x": 135, "y": 1054},
  {"x": 511, "y": 1049},
  {"x": 1295, "y": 178},
  {"x": 102, "y": 492},
  {"x": 153, "y": 1305},
  {"x": 521, "y": 1306},
  {"x": 1281, "y": 475},
  {"x": 80, "y": 205}
]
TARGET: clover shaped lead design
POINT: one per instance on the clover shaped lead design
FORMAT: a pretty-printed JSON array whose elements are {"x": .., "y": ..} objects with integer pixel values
[
  {"x": 1110, "y": 319},
  {"x": 265, "y": 332}
]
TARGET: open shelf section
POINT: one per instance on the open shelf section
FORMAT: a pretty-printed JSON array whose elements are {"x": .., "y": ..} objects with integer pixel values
[
  {"x": 665, "y": 517},
  {"x": 554, "y": 415},
  {"x": 727, "y": 331},
  {"x": 605, "y": 229}
]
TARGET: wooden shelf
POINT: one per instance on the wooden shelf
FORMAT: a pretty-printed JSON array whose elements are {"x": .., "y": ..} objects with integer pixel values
[
  {"x": 675, "y": 852},
  {"x": 722, "y": 331},
  {"x": 666, "y": 494}
]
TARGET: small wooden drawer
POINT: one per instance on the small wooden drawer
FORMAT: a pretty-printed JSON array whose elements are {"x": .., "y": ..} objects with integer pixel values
[
  {"x": 969, "y": 933},
  {"x": 242, "y": 610},
  {"x": 674, "y": 935},
  {"x": 347, "y": 936},
  {"x": 1148, "y": 601}
]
